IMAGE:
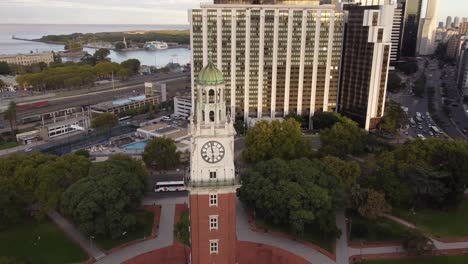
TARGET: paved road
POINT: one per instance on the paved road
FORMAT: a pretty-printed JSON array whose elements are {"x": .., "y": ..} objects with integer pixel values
[
  {"x": 244, "y": 233},
  {"x": 342, "y": 254},
  {"x": 76, "y": 235},
  {"x": 165, "y": 238}
]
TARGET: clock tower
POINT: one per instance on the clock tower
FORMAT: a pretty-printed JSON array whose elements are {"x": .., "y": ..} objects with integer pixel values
[{"x": 212, "y": 182}]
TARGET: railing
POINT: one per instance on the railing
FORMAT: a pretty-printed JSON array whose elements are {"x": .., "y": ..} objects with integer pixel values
[{"x": 212, "y": 182}]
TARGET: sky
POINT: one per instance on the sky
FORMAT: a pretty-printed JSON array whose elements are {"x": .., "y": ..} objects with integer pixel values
[{"x": 131, "y": 12}]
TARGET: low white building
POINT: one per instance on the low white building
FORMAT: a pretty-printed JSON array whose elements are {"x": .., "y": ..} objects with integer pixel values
[
  {"x": 181, "y": 136},
  {"x": 28, "y": 58},
  {"x": 182, "y": 106}
]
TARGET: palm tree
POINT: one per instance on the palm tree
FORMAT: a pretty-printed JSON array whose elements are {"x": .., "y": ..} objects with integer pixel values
[{"x": 10, "y": 115}]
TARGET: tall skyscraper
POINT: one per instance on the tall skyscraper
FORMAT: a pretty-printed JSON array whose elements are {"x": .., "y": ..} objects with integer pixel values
[
  {"x": 366, "y": 57},
  {"x": 412, "y": 18},
  {"x": 426, "y": 39},
  {"x": 397, "y": 31},
  {"x": 212, "y": 183},
  {"x": 279, "y": 58},
  {"x": 448, "y": 22},
  {"x": 456, "y": 22}
]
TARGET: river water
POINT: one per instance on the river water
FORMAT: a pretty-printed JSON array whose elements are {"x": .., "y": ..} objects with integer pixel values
[{"x": 157, "y": 58}]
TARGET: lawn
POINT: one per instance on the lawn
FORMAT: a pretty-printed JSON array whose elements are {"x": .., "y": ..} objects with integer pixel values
[
  {"x": 379, "y": 230},
  {"x": 39, "y": 242},
  {"x": 8, "y": 145},
  {"x": 311, "y": 234},
  {"x": 425, "y": 260},
  {"x": 143, "y": 229},
  {"x": 451, "y": 223}
]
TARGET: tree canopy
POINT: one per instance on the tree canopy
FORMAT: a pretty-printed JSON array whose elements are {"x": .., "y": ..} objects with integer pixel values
[
  {"x": 102, "y": 203},
  {"x": 131, "y": 64},
  {"x": 10, "y": 115},
  {"x": 268, "y": 140},
  {"x": 161, "y": 154},
  {"x": 343, "y": 138},
  {"x": 292, "y": 193},
  {"x": 4, "y": 68},
  {"x": 430, "y": 173},
  {"x": 105, "y": 122},
  {"x": 393, "y": 118},
  {"x": 36, "y": 179},
  {"x": 323, "y": 120}
]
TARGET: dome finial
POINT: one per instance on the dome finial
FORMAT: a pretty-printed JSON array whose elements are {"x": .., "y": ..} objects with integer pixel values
[{"x": 210, "y": 57}]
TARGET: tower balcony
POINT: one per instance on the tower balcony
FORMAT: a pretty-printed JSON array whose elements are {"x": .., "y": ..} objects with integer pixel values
[{"x": 192, "y": 183}]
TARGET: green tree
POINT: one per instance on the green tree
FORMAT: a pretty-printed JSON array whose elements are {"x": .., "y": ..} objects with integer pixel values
[
  {"x": 55, "y": 176},
  {"x": 369, "y": 203},
  {"x": 415, "y": 242},
  {"x": 124, "y": 74},
  {"x": 346, "y": 172},
  {"x": 105, "y": 122},
  {"x": 119, "y": 45},
  {"x": 4, "y": 68},
  {"x": 10, "y": 115},
  {"x": 323, "y": 120},
  {"x": 292, "y": 193},
  {"x": 2, "y": 84},
  {"x": 101, "y": 55},
  {"x": 342, "y": 139},
  {"x": 82, "y": 152},
  {"x": 161, "y": 154},
  {"x": 393, "y": 118},
  {"x": 103, "y": 203},
  {"x": 106, "y": 68},
  {"x": 275, "y": 140},
  {"x": 394, "y": 84},
  {"x": 132, "y": 64},
  {"x": 428, "y": 173},
  {"x": 182, "y": 231},
  {"x": 420, "y": 87}
]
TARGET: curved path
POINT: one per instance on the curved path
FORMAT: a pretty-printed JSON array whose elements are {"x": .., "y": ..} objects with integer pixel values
[
  {"x": 244, "y": 233},
  {"x": 165, "y": 238}
]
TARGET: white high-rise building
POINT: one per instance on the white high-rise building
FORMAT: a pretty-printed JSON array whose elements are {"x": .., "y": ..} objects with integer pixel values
[
  {"x": 279, "y": 57},
  {"x": 456, "y": 22},
  {"x": 448, "y": 22},
  {"x": 427, "y": 32}
]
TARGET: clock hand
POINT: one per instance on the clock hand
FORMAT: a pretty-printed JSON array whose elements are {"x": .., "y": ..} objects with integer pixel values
[{"x": 212, "y": 151}]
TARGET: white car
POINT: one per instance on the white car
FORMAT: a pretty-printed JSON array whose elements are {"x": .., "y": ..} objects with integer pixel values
[{"x": 421, "y": 136}]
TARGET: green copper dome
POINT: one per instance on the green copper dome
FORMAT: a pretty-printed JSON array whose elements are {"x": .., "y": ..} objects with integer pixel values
[{"x": 210, "y": 75}]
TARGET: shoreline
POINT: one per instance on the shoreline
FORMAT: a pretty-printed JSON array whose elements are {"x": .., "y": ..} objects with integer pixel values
[{"x": 186, "y": 46}]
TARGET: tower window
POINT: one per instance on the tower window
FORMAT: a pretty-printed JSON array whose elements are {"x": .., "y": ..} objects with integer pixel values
[
  {"x": 213, "y": 222},
  {"x": 212, "y": 174},
  {"x": 213, "y": 200},
  {"x": 211, "y": 96},
  {"x": 212, "y": 117},
  {"x": 214, "y": 246}
]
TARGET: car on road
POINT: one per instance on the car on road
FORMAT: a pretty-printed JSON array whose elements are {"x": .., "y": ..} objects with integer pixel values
[
  {"x": 431, "y": 134},
  {"x": 28, "y": 150},
  {"x": 420, "y": 127},
  {"x": 421, "y": 136}
]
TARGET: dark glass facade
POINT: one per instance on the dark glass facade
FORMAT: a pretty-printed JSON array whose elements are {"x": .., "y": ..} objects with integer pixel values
[{"x": 411, "y": 25}]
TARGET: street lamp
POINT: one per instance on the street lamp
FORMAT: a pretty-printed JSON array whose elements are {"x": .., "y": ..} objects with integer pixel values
[{"x": 91, "y": 242}]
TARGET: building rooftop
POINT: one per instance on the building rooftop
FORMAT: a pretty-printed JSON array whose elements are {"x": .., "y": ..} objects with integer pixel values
[{"x": 120, "y": 102}]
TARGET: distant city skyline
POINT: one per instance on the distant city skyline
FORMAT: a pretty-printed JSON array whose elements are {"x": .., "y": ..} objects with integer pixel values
[{"x": 128, "y": 12}]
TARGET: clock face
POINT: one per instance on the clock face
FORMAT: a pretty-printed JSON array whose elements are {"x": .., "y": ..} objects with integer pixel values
[{"x": 212, "y": 151}]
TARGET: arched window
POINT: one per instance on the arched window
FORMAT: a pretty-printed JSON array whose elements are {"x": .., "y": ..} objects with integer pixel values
[
  {"x": 212, "y": 117},
  {"x": 203, "y": 115},
  {"x": 211, "y": 96}
]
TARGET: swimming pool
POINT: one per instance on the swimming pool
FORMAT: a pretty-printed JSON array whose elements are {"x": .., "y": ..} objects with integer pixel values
[{"x": 140, "y": 145}]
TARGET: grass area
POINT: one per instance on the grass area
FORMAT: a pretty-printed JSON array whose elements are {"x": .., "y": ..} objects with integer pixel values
[
  {"x": 143, "y": 229},
  {"x": 424, "y": 260},
  {"x": 39, "y": 242},
  {"x": 451, "y": 223},
  {"x": 371, "y": 231},
  {"x": 311, "y": 234},
  {"x": 8, "y": 145}
]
